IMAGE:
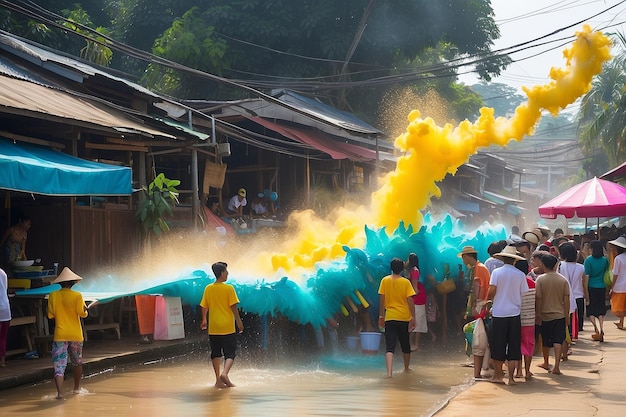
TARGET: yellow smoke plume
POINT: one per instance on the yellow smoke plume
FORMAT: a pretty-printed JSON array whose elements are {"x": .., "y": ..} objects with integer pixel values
[{"x": 430, "y": 152}]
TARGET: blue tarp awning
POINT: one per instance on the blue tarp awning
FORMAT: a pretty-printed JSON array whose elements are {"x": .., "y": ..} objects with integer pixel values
[{"x": 35, "y": 169}]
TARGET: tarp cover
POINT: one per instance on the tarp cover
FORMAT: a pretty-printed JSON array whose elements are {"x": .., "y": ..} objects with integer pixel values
[{"x": 39, "y": 170}]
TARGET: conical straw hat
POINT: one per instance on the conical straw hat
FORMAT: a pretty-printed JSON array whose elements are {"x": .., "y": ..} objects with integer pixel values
[{"x": 66, "y": 275}]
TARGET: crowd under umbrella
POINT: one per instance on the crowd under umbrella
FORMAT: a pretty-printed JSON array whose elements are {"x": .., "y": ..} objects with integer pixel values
[{"x": 594, "y": 198}]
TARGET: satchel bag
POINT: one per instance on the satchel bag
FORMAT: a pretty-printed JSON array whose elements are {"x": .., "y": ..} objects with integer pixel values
[{"x": 608, "y": 275}]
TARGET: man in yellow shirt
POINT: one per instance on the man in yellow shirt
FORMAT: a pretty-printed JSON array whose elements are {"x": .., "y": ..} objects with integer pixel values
[
  {"x": 220, "y": 302},
  {"x": 397, "y": 313},
  {"x": 67, "y": 307}
]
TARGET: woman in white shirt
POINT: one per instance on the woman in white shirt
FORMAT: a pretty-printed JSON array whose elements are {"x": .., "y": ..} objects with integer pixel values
[
  {"x": 618, "y": 292},
  {"x": 575, "y": 274}
]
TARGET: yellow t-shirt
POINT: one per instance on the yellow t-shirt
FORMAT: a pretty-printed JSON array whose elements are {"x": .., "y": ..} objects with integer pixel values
[
  {"x": 66, "y": 307},
  {"x": 218, "y": 298},
  {"x": 396, "y": 291}
]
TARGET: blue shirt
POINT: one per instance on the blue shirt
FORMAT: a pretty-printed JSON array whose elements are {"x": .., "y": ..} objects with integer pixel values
[{"x": 594, "y": 268}]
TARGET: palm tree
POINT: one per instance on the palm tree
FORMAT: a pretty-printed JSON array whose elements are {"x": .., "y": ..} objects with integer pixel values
[{"x": 602, "y": 115}]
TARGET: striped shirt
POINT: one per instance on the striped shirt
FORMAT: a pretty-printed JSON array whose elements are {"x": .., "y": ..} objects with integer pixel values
[{"x": 527, "y": 314}]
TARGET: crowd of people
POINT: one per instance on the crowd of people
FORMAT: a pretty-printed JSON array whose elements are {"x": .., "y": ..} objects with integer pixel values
[
  {"x": 542, "y": 287},
  {"x": 533, "y": 294}
]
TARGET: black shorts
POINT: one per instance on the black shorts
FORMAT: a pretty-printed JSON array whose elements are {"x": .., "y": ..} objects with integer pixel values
[
  {"x": 552, "y": 332},
  {"x": 506, "y": 338},
  {"x": 397, "y": 331},
  {"x": 223, "y": 345}
]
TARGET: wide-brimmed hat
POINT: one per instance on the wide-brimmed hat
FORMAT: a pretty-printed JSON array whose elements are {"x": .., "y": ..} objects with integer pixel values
[
  {"x": 466, "y": 250},
  {"x": 509, "y": 252},
  {"x": 545, "y": 230},
  {"x": 620, "y": 241},
  {"x": 533, "y": 236},
  {"x": 66, "y": 275},
  {"x": 242, "y": 192}
]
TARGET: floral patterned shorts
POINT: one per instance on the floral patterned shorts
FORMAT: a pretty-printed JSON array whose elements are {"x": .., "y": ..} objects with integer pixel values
[{"x": 60, "y": 353}]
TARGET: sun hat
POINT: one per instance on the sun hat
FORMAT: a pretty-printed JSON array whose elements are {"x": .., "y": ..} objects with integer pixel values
[
  {"x": 532, "y": 236},
  {"x": 466, "y": 250},
  {"x": 509, "y": 252},
  {"x": 242, "y": 192},
  {"x": 66, "y": 275},
  {"x": 620, "y": 241},
  {"x": 545, "y": 230}
]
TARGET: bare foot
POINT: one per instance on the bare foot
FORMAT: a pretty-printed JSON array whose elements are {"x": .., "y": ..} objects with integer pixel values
[
  {"x": 495, "y": 380},
  {"x": 556, "y": 372},
  {"x": 226, "y": 380},
  {"x": 220, "y": 384},
  {"x": 512, "y": 382},
  {"x": 619, "y": 326},
  {"x": 529, "y": 375},
  {"x": 408, "y": 370},
  {"x": 519, "y": 375},
  {"x": 545, "y": 366}
]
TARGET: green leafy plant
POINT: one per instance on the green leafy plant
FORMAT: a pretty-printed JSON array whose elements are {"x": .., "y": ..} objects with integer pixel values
[{"x": 157, "y": 203}]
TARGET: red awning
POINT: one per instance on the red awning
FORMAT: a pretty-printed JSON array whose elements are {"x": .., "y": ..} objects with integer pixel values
[
  {"x": 619, "y": 171},
  {"x": 319, "y": 141}
]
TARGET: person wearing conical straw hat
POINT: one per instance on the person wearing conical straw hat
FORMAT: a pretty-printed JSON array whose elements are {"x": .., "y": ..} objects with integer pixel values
[
  {"x": 67, "y": 307},
  {"x": 506, "y": 288}
]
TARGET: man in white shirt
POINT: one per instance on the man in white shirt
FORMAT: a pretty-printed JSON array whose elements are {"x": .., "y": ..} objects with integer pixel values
[
  {"x": 506, "y": 287},
  {"x": 237, "y": 203}
]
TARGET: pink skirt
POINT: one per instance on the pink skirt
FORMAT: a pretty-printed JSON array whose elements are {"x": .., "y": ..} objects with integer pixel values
[{"x": 528, "y": 340}]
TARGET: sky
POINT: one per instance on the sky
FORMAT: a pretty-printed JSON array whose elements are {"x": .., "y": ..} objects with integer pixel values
[{"x": 522, "y": 21}]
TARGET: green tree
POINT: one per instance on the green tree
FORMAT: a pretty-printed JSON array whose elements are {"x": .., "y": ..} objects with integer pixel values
[
  {"x": 602, "y": 115},
  {"x": 94, "y": 51},
  {"x": 155, "y": 205},
  {"x": 189, "y": 41},
  {"x": 317, "y": 46}
]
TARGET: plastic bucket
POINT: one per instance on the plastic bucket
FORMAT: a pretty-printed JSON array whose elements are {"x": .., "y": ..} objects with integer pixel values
[
  {"x": 352, "y": 342},
  {"x": 370, "y": 341}
]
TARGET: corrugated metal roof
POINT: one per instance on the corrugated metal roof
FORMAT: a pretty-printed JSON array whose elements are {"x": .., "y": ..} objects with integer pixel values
[
  {"x": 58, "y": 63},
  {"x": 23, "y": 97},
  {"x": 325, "y": 112}
]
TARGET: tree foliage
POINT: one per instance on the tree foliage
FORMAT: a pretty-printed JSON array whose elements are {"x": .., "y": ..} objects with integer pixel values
[
  {"x": 602, "y": 115},
  {"x": 350, "y": 52},
  {"x": 156, "y": 204}
]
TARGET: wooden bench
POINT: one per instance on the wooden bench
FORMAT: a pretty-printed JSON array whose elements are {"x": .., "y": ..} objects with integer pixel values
[
  {"x": 101, "y": 326},
  {"x": 102, "y": 312},
  {"x": 28, "y": 331}
]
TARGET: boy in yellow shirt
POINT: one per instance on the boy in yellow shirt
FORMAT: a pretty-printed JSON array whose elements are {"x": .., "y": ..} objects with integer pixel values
[
  {"x": 220, "y": 302},
  {"x": 397, "y": 313},
  {"x": 67, "y": 307}
]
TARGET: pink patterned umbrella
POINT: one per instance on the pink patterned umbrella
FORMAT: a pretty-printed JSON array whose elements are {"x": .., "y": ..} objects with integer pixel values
[{"x": 592, "y": 198}]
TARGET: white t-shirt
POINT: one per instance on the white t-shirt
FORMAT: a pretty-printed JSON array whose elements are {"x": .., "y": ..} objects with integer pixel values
[
  {"x": 619, "y": 271},
  {"x": 5, "y": 307},
  {"x": 510, "y": 285},
  {"x": 259, "y": 208},
  {"x": 234, "y": 203},
  {"x": 574, "y": 272}
]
